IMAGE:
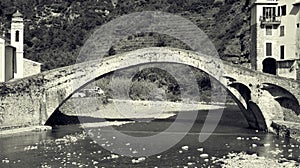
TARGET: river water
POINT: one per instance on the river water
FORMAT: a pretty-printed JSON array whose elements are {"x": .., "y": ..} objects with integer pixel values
[{"x": 72, "y": 146}]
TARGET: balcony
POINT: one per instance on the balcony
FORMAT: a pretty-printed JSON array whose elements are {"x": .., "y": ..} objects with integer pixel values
[
  {"x": 265, "y": 2},
  {"x": 296, "y": 3},
  {"x": 275, "y": 20}
]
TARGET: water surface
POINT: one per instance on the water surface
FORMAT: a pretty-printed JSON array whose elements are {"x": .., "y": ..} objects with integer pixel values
[{"x": 71, "y": 146}]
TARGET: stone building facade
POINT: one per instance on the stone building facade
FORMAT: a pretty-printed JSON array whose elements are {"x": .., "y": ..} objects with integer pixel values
[{"x": 275, "y": 37}]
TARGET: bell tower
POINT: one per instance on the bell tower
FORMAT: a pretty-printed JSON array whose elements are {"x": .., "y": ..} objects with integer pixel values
[{"x": 17, "y": 40}]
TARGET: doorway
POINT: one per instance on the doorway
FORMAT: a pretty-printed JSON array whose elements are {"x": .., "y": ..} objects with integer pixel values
[{"x": 269, "y": 66}]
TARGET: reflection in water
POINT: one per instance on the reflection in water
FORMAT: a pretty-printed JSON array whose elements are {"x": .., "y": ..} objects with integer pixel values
[
  {"x": 14, "y": 144},
  {"x": 70, "y": 146}
]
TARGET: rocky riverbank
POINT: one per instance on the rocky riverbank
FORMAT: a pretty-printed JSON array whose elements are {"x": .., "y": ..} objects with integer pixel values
[
  {"x": 129, "y": 109},
  {"x": 243, "y": 160},
  {"x": 12, "y": 131},
  {"x": 287, "y": 129}
]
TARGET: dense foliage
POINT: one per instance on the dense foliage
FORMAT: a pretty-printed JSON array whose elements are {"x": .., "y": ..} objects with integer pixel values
[{"x": 55, "y": 30}]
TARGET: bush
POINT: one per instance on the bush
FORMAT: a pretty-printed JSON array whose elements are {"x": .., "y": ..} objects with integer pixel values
[{"x": 146, "y": 90}]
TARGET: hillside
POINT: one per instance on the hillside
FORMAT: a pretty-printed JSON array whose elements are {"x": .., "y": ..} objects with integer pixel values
[{"x": 55, "y": 30}]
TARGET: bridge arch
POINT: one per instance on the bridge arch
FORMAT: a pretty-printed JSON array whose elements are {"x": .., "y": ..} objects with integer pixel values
[
  {"x": 38, "y": 96},
  {"x": 254, "y": 120},
  {"x": 285, "y": 98},
  {"x": 242, "y": 96},
  {"x": 258, "y": 114},
  {"x": 209, "y": 65},
  {"x": 242, "y": 89}
]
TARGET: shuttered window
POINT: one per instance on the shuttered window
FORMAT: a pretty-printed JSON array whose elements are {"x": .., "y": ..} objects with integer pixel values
[
  {"x": 268, "y": 30},
  {"x": 268, "y": 49},
  {"x": 281, "y": 30},
  {"x": 283, "y": 10}
]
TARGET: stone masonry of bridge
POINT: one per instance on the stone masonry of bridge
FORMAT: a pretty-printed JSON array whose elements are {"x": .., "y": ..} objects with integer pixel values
[{"x": 261, "y": 97}]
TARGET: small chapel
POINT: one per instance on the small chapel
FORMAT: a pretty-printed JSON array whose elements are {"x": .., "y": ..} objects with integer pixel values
[{"x": 13, "y": 65}]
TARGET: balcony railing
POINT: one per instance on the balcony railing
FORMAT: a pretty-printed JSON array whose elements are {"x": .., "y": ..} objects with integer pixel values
[{"x": 275, "y": 20}]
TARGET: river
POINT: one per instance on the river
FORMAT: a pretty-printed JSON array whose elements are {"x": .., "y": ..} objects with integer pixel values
[{"x": 71, "y": 145}]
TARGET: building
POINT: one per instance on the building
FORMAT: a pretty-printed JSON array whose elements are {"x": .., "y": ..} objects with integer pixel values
[
  {"x": 275, "y": 37},
  {"x": 12, "y": 61}
]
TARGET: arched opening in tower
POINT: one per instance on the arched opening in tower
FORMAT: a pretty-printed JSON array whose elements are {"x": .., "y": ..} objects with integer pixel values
[{"x": 17, "y": 36}]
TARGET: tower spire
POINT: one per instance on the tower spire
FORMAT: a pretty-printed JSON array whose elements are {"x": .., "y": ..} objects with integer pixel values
[
  {"x": 17, "y": 40},
  {"x": 17, "y": 14}
]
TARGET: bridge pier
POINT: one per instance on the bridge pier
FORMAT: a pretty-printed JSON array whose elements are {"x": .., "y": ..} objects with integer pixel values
[
  {"x": 266, "y": 109},
  {"x": 21, "y": 109},
  {"x": 258, "y": 106},
  {"x": 243, "y": 105}
]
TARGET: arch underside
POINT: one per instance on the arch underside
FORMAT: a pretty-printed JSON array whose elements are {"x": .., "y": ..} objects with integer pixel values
[
  {"x": 285, "y": 98},
  {"x": 255, "y": 120},
  {"x": 250, "y": 110},
  {"x": 211, "y": 66}
]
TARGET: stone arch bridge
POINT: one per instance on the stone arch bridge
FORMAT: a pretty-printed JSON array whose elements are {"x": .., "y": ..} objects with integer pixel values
[{"x": 261, "y": 97}]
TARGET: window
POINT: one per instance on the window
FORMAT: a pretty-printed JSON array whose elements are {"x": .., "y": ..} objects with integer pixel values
[
  {"x": 298, "y": 25},
  {"x": 283, "y": 10},
  {"x": 278, "y": 11},
  {"x": 269, "y": 30},
  {"x": 268, "y": 49},
  {"x": 269, "y": 13},
  {"x": 281, "y": 30},
  {"x": 282, "y": 52},
  {"x": 17, "y": 36}
]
